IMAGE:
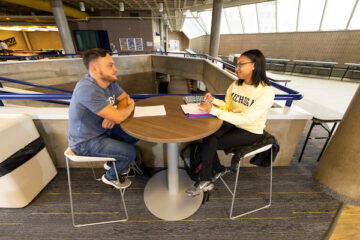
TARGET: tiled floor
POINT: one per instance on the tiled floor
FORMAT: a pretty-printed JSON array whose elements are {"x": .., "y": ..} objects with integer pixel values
[{"x": 321, "y": 95}]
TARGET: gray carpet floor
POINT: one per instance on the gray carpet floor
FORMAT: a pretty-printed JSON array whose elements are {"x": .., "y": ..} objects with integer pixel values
[{"x": 300, "y": 210}]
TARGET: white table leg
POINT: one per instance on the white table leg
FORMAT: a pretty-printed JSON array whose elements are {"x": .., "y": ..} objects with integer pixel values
[
  {"x": 164, "y": 193},
  {"x": 173, "y": 174}
]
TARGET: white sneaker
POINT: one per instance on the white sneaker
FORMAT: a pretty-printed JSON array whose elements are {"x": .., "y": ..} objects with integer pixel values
[
  {"x": 200, "y": 186},
  {"x": 107, "y": 165},
  {"x": 219, "y": 174},
  {"x": 124, "y": 182}
]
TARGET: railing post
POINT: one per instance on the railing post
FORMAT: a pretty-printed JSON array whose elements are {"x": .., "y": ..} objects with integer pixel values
[{"x": 1, "y": 103}]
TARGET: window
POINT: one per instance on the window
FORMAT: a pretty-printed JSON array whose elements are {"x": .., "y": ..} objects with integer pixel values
[
  {"x": 310, "y": 15},
  {"x": 249, "y": 18},
  {"x": 266, "y": 14},
  {"x": 206, "y": 20},
  {"x": 191, "y": 27},
  {"x": 287, "y": 11},
  {"x": 337, "y": 14},
  {"x": 279, "y": 16},
  {"x": 355, "y": 20},
  {"x": 234, "y": 20},
  {"x": 224, "y": 29}
]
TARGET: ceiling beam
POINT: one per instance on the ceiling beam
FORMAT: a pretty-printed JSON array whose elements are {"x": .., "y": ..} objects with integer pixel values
[
  {"x": 235, "y": 3},
  {"x": 110, "y": 4},
  {"x": 168, "y": 14},
  {"x": 152, "y": 9},
  {"x": 46, "y": 6},
  {"x": 137, "y": 3}
]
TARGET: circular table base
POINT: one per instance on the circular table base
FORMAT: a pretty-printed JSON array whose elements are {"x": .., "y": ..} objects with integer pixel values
[{"x": 170, "y": 207}]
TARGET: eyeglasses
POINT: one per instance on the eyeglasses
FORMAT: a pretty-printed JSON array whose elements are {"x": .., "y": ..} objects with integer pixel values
[{"x": 239, "y": 65}]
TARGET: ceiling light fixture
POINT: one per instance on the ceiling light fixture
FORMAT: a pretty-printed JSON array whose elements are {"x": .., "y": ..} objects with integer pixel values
[
  {"x": 161, "y": 7},
  {"x": 82, "y": 6},
  {"x": 121, "y": 6}
]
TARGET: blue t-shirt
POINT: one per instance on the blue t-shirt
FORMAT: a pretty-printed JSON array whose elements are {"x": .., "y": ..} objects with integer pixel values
[{"x": 87, "y": 100}]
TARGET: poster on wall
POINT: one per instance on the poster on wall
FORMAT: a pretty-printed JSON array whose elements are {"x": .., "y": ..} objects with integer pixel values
[
  {"x": 139, "y": 44},
  {"x": 123, "y": 44},
  {"x": 174, "y": 45},
  {"x": 131, "y": 44},
  {"x": 157, "y": 43},
  {"x": 10, "y": 41}
]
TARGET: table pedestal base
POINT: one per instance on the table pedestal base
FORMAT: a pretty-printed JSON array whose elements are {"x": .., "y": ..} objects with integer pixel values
[{"x": 168, "y": 206}]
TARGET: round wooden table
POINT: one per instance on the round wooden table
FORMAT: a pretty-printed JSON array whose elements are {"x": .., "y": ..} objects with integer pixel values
[{"x": 164, "y": 193}]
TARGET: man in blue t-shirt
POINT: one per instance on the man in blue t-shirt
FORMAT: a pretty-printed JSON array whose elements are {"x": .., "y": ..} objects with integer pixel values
[{"x": 98, "y": 105}]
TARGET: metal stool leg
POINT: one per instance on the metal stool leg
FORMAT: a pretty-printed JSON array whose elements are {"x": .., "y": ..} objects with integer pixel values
[
  {"x": 233, "y": 193},
  {"x": 122, "y": 192},
  {"x": 327, "y": 140},
  {"x": 306, "y": 140},
  {"x": 70, "y": 193},
  {"x": 93, "y": 171},
  {"x": 271, "y": 173}
]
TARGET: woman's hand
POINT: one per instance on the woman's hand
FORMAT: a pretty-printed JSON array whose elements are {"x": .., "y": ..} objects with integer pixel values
[
  {"x": 208, "y": 98},
  {"x": 108, "y": 124},
  {"x": 205, "y": 106}
]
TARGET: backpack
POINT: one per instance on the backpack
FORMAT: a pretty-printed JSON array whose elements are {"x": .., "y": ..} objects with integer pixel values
[{"x": 191, "y": 156}]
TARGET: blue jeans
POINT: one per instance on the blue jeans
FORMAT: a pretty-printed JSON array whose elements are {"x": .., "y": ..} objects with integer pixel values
[{"x": 113, "y": 143}]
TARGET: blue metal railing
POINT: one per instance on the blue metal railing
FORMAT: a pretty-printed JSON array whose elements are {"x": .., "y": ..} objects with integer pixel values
[{"x": 54, "y": 98}]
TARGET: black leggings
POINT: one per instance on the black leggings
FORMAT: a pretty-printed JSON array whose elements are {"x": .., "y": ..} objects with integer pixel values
[{"x": 226, "y": 137}]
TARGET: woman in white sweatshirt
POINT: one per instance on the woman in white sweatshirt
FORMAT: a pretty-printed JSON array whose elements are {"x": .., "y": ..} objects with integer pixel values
[{"x": 244, "y": 112}]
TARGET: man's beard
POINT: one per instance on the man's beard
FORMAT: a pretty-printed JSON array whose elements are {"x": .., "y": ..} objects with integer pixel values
[{"x": 108, "y": 78}]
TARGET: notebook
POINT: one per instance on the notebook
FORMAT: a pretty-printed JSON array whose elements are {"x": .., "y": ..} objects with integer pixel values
[
  {"x": 192, "y": 111},
  {"x": 149, "y": 111}
]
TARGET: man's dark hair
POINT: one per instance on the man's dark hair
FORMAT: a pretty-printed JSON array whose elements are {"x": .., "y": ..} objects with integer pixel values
[
  {"x": 259, "y": 73},
  {"x": 93, "y": 54}
]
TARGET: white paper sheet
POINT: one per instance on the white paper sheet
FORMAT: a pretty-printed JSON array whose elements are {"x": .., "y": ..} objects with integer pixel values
[
  {"x": 149, "y": 111},
  {"x": 192, "y": 108}
]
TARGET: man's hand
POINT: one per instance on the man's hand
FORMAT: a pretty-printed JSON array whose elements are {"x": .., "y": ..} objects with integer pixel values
[
  {"x": 123, "y": 103},
  {"x": 205, "y": 106},
  {"x": 108, "y": 124}
]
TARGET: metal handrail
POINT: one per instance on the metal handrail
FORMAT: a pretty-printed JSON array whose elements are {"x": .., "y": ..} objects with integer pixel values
[
  {"x": 34, "y": 84},
  {"x": 289, "y": 97}
]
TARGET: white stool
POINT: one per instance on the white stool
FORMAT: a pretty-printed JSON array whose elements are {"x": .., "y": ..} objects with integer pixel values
[
  {"x": 233, "y": 193},
  {"x": 69, "y": 154}
]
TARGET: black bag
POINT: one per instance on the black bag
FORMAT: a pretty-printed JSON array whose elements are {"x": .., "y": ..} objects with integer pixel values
[{"x": 190, "y": 154}]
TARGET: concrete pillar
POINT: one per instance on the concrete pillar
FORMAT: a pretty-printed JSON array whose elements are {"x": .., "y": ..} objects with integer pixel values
[
  {"x": 215, "y": 27},
  {"x": 161, "y": 34},
  {"x": 166, "y": 38},
  {"x": 63, "y": 26},
  {"x": 338, "y": 169}
]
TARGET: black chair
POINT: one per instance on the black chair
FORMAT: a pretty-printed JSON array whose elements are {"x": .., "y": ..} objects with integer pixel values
[
  {"x": 307, "y": 66},
  {"x": 322, "y": 122},
  {"x": 281, "y": 66},
  {"x": 268, "y": 62},
  {"x": 356, "y": 71},
  {"x": 325, "y": 68}
]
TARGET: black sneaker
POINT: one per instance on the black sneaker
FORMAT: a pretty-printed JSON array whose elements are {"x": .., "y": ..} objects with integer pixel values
[
  {"x": 124, "y": 182},
  {"x": 108, "y": 164}
]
